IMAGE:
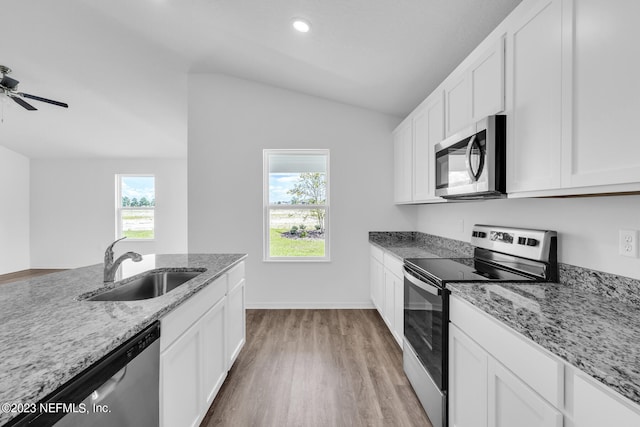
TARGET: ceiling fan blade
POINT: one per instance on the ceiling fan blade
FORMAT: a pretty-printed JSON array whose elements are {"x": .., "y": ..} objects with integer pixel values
[
  {"x": 8, "y": 82},
  {"x": 23, "y": 103},
  {"x": 49, "y": 101}
]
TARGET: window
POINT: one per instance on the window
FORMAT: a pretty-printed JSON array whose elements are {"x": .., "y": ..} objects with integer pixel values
[
  {"x": 296, "y": 205},
  {"x": 135, "y": 206}
]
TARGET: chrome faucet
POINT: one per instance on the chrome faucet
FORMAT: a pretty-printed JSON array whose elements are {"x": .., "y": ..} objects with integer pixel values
[{"x": 111, "y": 266}]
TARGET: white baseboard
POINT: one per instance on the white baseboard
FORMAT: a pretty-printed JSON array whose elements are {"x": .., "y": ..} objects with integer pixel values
[{"x": 310, "y": 305}]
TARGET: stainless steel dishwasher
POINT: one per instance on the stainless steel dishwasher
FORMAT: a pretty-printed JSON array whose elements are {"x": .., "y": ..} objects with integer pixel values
[{"x": 119, "y": 390}]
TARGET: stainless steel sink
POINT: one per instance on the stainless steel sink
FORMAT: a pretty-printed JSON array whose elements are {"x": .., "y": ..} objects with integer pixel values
[{"x": 150, "y": 285}]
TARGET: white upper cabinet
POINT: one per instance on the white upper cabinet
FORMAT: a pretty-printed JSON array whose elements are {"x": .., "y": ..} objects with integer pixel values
[
  {"x": 487, "y": 82},
  {"x": 414, "y": 142},
  {"x": 457, "y": 92},
  {"x": 604, "y": 147},
  {"x": 428, "y": 130},
  {"x": 571, "y": 98},
  {"x": 403, "y": 163},
  {"x": 565, "y": 74},
  {"x": 422, "y": 157},
  {"x": 534, "y": 89},
  {"x": 477, "y": 91}
]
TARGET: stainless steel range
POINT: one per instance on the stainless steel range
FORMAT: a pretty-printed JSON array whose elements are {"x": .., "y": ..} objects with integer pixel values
[{"x": 500, "y": 254}]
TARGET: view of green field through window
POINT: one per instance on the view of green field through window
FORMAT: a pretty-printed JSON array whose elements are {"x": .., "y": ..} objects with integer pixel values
[{"x": 137, "y": 207}]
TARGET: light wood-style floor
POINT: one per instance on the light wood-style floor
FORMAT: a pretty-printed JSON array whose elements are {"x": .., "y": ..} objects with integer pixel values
[{"x": 317, "y": 368}]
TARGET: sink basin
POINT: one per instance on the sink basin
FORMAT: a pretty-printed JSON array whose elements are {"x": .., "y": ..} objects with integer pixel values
[{"x": 150, "y": 285}]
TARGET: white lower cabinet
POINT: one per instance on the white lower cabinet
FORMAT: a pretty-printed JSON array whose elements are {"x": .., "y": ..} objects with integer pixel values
[
  {"x": 498, "y": 378},
  {"x": 376, "y": 277},
  {"x": 180, "y": 394},
  {"x": 468, "y": 383},
  {"x": 482, "y": 392},
  {"x": 387, "y": 290},
  {"x": 214, "y": 362},
  {"x": 596, "y": 406},
  {"x": 512, "y": 403},
  {"x": 199, "y": 342},
  {"x": 236, "y": 324}
]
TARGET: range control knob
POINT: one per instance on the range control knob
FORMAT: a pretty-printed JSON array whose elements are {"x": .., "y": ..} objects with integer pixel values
[
  {"x": 522, "y": 240},
  {"x": 532, "y": 242},
  {"x": 480, "y": 234}
]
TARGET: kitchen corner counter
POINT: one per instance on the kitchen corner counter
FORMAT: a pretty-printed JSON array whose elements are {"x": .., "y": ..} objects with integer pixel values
[
  {"x": 600, "y": 336},
  {"x": 48, "y": 336},
  {"x": 418, "y": 245}
]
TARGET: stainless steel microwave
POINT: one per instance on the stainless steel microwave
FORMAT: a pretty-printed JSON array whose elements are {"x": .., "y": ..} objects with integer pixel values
[{"x": 471, "y": 164}]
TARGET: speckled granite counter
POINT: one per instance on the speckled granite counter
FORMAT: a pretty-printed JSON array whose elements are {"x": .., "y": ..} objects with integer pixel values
[
  {"x": 419, "y": 245},
  {"x": 598, "y": 335},
  {"x": 47, "y": 336}
]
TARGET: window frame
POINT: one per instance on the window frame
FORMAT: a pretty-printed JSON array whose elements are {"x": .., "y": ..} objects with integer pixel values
[
  {"x": 120, "y": 208},
  {"x": 266, "y": 207}
]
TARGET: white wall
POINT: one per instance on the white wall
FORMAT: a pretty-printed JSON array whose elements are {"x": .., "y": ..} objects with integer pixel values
[
  {"x": 14, "y": 211},
  {"x": 73, "y": 209},
  {"x": 230, "y": 122},
  {"x": 587, "y": 226}
]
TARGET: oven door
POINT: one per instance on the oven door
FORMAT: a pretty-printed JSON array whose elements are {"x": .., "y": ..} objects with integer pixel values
[
  {"x": 425, "y": 344},
  {"x": 425, "y": 325}
]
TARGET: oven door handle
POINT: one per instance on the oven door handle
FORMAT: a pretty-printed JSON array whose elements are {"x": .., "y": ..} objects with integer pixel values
[{"x": 425, "y": 286}]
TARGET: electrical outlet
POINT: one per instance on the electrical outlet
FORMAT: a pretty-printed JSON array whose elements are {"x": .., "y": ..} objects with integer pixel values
[{"x": 628, "y": 243}]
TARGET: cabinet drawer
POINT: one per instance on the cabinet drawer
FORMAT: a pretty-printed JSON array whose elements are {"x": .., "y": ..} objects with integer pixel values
[
  {"x": 539, "y": 369},
  {"x": 376, "y": 253},
  {"x": 235, "y": 276},
  {"x": 393, "y": 264},
  {"x": 179, "y": 320}
]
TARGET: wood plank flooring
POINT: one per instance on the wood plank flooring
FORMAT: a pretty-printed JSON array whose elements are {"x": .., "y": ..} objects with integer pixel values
[{"x": 317, "y": 368}]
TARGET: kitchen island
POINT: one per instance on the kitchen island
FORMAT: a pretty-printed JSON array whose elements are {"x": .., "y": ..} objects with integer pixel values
[{"x": 49, "y": 335}]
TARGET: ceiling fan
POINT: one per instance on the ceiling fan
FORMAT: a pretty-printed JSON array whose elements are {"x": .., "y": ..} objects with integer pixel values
[{"x": 9, "y": 87}]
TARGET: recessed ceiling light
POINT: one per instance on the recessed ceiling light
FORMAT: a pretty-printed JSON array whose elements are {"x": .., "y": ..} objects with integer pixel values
[{"x": 301, "y": 25}]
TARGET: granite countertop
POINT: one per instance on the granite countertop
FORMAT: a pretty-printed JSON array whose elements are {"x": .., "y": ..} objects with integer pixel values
[
  {"x": 598, "y": 335},
  {"x": 404, "y": 245},
  {"x": 48, "y": 336}
]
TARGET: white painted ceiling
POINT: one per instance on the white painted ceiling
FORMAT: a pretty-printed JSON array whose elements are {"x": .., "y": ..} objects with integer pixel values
[{"x": 123, "y": 65}]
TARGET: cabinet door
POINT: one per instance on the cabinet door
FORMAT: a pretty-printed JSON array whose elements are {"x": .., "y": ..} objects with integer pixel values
[
  {"x": 377, "y": 284},
  {"x": 534, "y": 79},
  {"x": 180, "y": 375},
  {"x": 457, "y": 103},
  {"x": 594, "y": 406},
  {"x": 604, "y": 147},
  {"x": 512, "y": 403},
  {"x": 236, "y": 325},
  {"x": 435, "y": 112},
  {"x": 467, "y": 381},
  {"x": 402, "y": 155},
  {"x": 398, "y": 310},
  {"x": 487, "y": 82},
  {"x": 422, "y": 159},
  {"x": 389, "y": 299},
  {"x": 214, "y": 367}
]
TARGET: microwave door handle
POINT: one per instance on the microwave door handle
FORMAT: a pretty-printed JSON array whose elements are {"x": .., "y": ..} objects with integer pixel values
[
  {"x": 422, "y": 285},
  {"x": 467, "y": 159}
]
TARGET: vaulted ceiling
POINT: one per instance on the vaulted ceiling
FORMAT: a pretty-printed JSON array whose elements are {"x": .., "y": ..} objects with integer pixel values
[{"x": 123, "y": 65}]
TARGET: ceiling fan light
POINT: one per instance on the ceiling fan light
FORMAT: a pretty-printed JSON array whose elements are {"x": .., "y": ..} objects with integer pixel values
[{"x": 301, "y": 25}]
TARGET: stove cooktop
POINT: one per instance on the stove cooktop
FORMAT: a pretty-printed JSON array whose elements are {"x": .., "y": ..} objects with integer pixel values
[{"x": 443, "y": 270}]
